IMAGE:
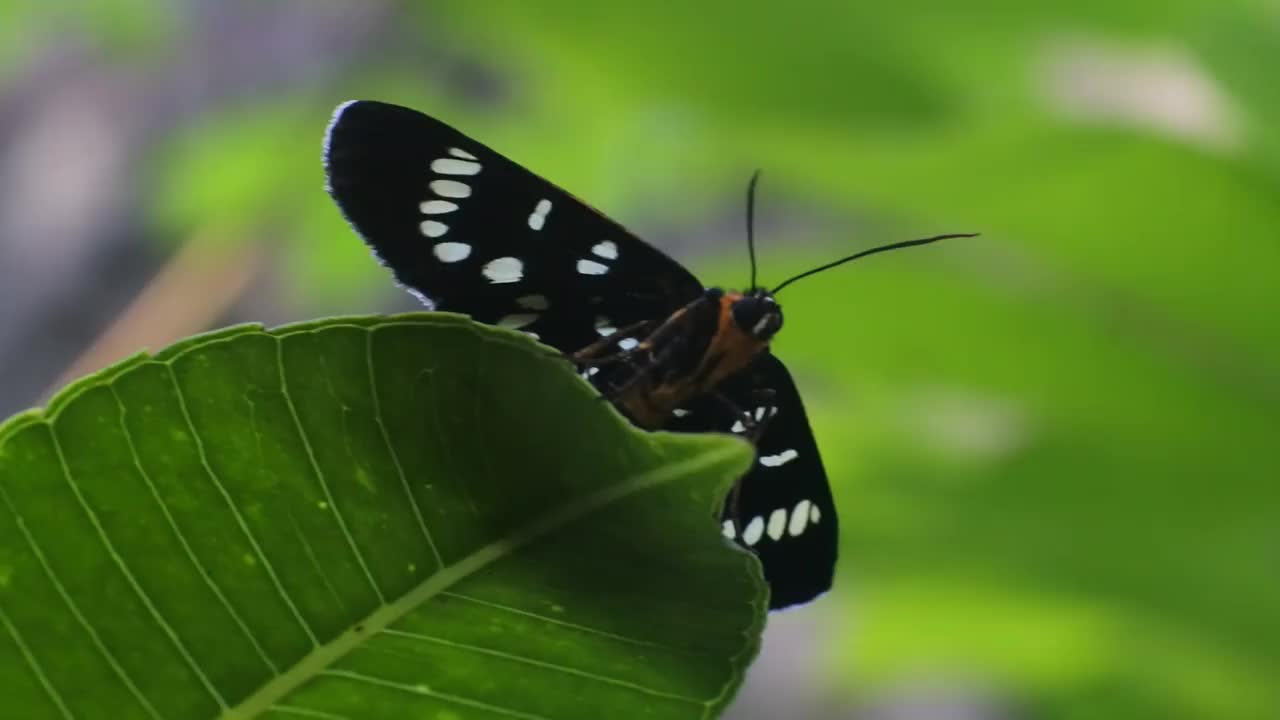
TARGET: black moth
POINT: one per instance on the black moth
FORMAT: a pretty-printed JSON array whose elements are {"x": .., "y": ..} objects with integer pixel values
[{"x": 470, "y": 231}]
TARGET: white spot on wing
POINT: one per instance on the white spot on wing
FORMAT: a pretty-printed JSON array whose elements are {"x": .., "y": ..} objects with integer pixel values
[
  {"x": 517, "y": 320},
  {"x": 538, "y": 217},
  {"x": 433, "y": 228},
  {"x": 814, "y": 514},
  {"x": 799, "y": 518},
  {"x": 738, "y": 427},
  {"x": 728, "y": 529},
  {"x": 459, "y": 152},
  {"x": 777, "y": 523},
  {"x": 591, "y": 267},
  {"x": 754, "y": 531},
  {"x": 437, "y": 207},
  {"x": 604, "y": 326},
  {"x": 504, "y": 270},
  {"x": 454, "y": 166},
  {"x": 781, "y": 458},
  {"x": 533, "y": 302},
  {"x": 452, "y": 251},
  {"x": 680, "y": 412},
  {"x": 628, "y": 343},
  {"x": 607, "y": 249},
  {"x": 450, "y": 188}
]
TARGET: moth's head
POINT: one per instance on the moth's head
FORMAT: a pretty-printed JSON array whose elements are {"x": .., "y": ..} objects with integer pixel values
[{"x": 758, "y": 314}]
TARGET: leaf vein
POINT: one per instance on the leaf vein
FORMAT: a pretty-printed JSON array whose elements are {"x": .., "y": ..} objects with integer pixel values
[
  {"x": 395, "y": 456},
  {"x": 309, "y": 550},
  {"x": 545, "y": 665},
  {"x": 428, "y": 692},
  {"x": 34, "y": 664},
  {"x": 235, "y": 511},
  {"x": 324, "y": 484},
  {"x": 130, "y": 578},
  {"x": 325, "y": 655},
  {"x": 564, "y": 623},
  {"x": 83, "y": 621},
  {"x": 446, "y": 447},
  {"x": 182, "y": 538},
  {"x": 308, "y": 712}
]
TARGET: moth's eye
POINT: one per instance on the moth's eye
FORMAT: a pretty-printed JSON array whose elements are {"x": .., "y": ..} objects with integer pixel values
[
  {"x": 746, "y": 313},
  {"x": 768, "y": 325}
]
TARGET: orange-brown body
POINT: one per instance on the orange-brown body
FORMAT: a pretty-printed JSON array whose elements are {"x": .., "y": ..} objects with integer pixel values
[{"x": 671, "y": 369}]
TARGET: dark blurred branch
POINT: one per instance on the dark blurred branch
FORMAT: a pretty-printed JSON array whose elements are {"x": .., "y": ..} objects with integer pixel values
[
  {"x": 196, "y": 288},
  {"x": 77, "y": 132}
]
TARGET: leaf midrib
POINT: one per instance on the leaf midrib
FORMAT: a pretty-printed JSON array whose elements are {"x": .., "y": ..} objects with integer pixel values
[{"x": 325, "y": 655}]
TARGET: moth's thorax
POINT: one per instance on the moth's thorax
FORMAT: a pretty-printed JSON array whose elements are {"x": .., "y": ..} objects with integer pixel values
[
  {"x": 712, "y": 339},
  {"x": 748, "y": 322}
]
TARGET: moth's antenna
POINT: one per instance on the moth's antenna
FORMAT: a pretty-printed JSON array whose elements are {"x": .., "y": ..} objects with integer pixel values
[
  {"x": 751, "y": 222},
  {"x": 872, "y": 251}
]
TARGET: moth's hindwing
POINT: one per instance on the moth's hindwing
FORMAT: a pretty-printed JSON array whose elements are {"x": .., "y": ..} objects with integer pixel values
[{"x": 784, "y": 512}]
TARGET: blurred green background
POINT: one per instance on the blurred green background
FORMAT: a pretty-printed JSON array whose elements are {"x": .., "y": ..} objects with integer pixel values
[{"x": 1054, "y": 447}]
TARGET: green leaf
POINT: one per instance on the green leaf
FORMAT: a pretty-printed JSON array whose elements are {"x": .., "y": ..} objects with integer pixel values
[
  {"x": 1052, "y": 446},
  {"x": 363, "y": 518}
]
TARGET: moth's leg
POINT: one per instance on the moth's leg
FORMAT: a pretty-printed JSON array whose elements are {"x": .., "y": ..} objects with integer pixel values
[
  {"x": 644, "y": 370},
  {"x": 748, "y": 423},
  {"x": 595, "y": 355},
  {"x": 729, "y": 405},
  {"x": 731, "y": 507},
  {"x": 744, "y": 416},
  {"x": 669, "y": 332},
  {"x": 753, "y": 430},
  {"x": 762, "y": 398}
]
